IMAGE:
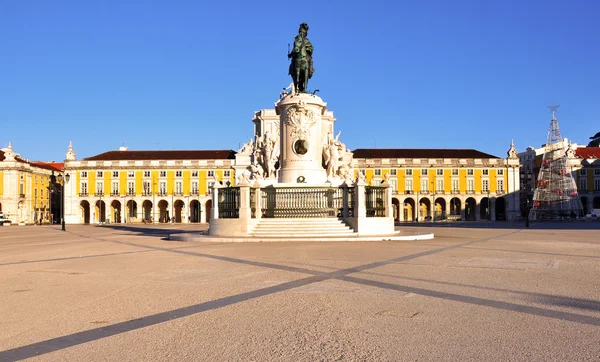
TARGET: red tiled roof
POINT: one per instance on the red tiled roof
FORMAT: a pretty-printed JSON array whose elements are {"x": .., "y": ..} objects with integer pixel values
[
  {"x": 587, "y": 152},
  {"x": 164, "y": 155},
  {"x": 419, "y": 153},
  {"x": 52, "y": 166}
]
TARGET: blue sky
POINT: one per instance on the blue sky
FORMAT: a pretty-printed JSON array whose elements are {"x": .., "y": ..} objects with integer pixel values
[{"x": 190, "y": 74}]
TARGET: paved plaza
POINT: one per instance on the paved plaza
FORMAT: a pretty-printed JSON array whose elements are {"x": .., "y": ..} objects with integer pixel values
[{"x": 487, "y": 291}]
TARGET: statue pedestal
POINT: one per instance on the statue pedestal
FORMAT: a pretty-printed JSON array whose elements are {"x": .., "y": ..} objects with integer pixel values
[{"x": 301, "y": 139}]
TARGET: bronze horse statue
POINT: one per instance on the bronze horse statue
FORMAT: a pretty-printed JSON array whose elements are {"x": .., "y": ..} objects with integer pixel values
[{"x": 301, "y": 68}]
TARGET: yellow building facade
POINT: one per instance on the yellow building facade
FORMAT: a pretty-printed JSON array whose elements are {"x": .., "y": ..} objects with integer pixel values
[
  {"x": 24, "y": 188},
  {"x": 145, "y": 186},
  {"x": 444, "y": 184}
]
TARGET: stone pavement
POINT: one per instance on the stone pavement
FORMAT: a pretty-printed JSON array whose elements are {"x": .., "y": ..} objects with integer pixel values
[{"x": 481, "y": 291}]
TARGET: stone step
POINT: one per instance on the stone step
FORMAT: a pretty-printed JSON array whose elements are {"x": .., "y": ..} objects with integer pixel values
[
  {"x": 322, "y": 232},
  {"x": 302, "y": 228},
  {"x": 300, "y": 221}
]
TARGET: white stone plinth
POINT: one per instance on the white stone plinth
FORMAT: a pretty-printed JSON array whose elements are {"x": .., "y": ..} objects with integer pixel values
[{"x": 301, "y": 138}]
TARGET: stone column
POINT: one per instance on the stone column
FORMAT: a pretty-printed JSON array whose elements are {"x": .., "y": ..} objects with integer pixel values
[
  {"x": 258, "y": 211},
  {"x": 244, "y": 212},
  {"x": 215, "y": 201},
  {"x": 359, "y": 197},
  {"x": 301, "y": 139}
]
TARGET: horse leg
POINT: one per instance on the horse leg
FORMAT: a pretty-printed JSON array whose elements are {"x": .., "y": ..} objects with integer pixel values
[{"x": 297, "y": 80}]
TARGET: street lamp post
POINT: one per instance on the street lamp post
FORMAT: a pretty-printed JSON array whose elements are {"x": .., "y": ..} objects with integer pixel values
[
  {"x": 527, "y": 202},
  {"x": 489, "y": 206},
  {"x": 62, "y": 197},
  {"x": 433, "y": 201}
]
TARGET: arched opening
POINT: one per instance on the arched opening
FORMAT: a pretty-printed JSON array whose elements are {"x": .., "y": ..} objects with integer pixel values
[
  {"x": 484, "y": 209},
  {"x": 147, "y": 207},
  {"x": 439, "y": 209},
  {"x": 100, "y": 211},
  {"x": 424, "y": 209},
  {"x": 455, "y": 208},
  {"x": 131, "y": 210},
  {"x": 115, "y": 212},
  {"x": 163, "y": 211},
  {"x": 195, "y": 211},
  {"x": 179, "y": 206},
  {"x": 409, "y": 210},
  {"x": 596, "y": 203},
  {"x": 396, "y": 209},
  {"x": 207, "y": 208},
  {"x": 500, "y": 209},
  {"x": 470, "y": 209},
  {"x": 85, "y": 211}
]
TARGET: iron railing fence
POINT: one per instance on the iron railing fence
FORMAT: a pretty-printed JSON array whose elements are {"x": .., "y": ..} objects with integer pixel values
[
  {"x": 301, "y": 202},
  {"x": 375, "y": 200},
  {"x": 229, "y": 203}
]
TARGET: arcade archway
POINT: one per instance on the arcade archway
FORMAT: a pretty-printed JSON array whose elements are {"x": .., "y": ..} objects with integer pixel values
[{"x": 84, "y": 207}]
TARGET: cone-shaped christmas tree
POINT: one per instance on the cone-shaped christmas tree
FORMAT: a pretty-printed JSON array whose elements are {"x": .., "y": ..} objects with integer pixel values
[{"x": 555, "y": 193}]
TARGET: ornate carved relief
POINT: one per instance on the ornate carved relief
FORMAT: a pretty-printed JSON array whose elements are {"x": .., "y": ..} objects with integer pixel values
[{"x": 301, "y": 120}]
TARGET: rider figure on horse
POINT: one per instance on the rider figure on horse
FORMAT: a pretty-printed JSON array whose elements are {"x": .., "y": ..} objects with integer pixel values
[{"x": 301, "y": 67}]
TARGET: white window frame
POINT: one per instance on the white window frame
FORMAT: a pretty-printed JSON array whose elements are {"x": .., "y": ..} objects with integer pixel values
[
  {"x": 424, "y": 172},
  {"x": 424, "y": 185},
  {"x": 470, "y": 172},
  {"x": 227, "y": 173},
  {"x": 500, "y": 172},
  {"x": 485, "y": 172},
  {"x": 162, "y": 188},
  {"x": 455, "y": 185},
  {"x": 470, "y": 185},
  {"x": 131, "y": 174},
  {"x": 409, "y": 172},
  {"x": 439, "y": 185},
  {"x": 500, "y": 185},
  {"x": 195, "y": 173},
  {"x": 393, "y": 172},
  {"x": 115, "y": 174},
  {"x": 115, "y": 187},
  {"x": 408, "y": 185},
  {"x": 99, "y": 174},
  {"x": 163, "y": 174},
  {"x": 83, "y": 174},
  {"x": 485, "y": 185},
  {"x": 210, "y": 173},
  {"x": 178, "y": 187},
  {"x": 583, "y": 184},
  {"x": 147, "y": 173},
  {"x": 178, "y": 173},
  {"x": 84, "y": 188}
]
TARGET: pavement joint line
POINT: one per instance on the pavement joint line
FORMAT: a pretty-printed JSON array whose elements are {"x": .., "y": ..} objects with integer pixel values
[
  {"x": 513, "y": 307},
  {"x": 86, "y": 256},
  {"x": 58, "y": 343}
]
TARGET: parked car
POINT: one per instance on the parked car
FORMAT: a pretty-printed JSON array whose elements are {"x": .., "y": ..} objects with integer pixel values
[{"x": 4, "y": 220}]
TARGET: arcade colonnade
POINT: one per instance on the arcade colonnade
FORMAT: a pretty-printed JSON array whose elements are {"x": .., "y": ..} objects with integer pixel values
[
  {"x": 121, "y": 210},
  {"x": 450, "y": 207}
]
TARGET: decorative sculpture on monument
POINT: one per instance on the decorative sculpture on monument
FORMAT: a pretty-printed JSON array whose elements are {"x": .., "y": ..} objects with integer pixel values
[
  {"x": 337, "y": 159},
  {"x": 301, "y": 66}
]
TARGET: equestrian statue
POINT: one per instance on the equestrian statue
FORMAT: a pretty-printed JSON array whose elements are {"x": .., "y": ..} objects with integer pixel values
[{"x": 301, "y": 67}]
